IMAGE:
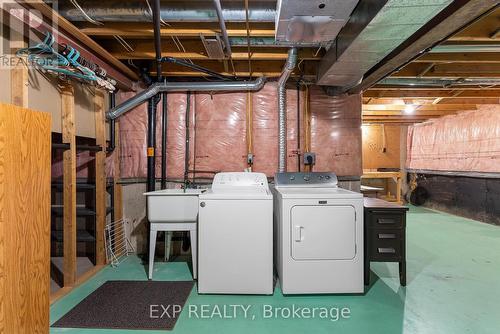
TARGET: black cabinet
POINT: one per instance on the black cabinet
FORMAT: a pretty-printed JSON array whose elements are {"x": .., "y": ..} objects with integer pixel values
[{"x": 385, "y": 235}]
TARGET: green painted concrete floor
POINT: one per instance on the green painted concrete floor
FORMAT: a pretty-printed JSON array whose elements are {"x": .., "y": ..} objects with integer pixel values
[{"x": 453, "y": 287}]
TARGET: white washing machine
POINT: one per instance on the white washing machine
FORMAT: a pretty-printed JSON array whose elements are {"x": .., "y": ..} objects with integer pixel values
[
  {"x": 235, "y": 235},
  {"x": 318, "y": 234}
]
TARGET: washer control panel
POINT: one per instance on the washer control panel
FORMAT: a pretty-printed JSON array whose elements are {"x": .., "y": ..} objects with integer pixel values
[
  {"x": 239, "y": 181},
  {"x": 312, "y": 179}
]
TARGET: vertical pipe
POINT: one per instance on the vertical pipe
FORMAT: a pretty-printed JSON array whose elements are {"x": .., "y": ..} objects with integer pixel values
[
  {"x": 281, "y": 129},
  {"x": 287, "y": 71},
  {"x": 164, "y": 116},
  {"x": 186, "y": 154},
  {"x": 151, "y": 141},
  {"x": 112, "y": 141},
  {"x": 298, "y": 126},
  {"x": 157, "y": 36}
]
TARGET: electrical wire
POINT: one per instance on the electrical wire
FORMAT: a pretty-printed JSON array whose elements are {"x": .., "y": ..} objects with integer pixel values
[
  {"x": 85, "y": 15},
  {"x": 150, "y": 12},
  {"x": 124, "y": 43}
]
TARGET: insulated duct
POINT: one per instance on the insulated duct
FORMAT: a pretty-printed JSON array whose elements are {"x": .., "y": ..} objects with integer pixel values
[
  {"x": 158, "y": 87},
  {"x": 287, "y": 70}
]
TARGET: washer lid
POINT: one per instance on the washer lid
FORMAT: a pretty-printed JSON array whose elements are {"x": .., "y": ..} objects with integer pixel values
[
  {"x": 240, "y": 182},
  {"x": 236, "y": 185}
]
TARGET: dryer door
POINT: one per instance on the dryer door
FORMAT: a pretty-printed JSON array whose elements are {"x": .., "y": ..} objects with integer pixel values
[{"x": 323, "y": 232}]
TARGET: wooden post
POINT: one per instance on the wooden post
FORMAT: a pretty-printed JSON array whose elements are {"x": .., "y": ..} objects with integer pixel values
[
  {"x": 19, "y": 73},
  {"x": 100, "y": 176},
  {"x": 69, "y": 181}
]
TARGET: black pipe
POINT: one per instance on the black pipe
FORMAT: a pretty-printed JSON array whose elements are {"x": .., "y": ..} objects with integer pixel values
[
  {"x": 196, "y": 68},
  {"x": 164, "y": 141},
  {"x": 157, "y": 36},
  {"x": 186, "y": 156},
  {"x": 112, "y": 139},
  {"x": 151, "y": 141}
]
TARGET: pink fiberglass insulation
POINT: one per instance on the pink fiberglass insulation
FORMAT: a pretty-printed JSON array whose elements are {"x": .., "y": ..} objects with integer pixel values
[
  {"x": 265, "y": 129},
  {"x": 176, "y": 134},
  {"x": 133, "y": 130},
  {"x": 467, "y": 142},
  {"x": 133, "y": 145},
  {"x": 84, "y": 161},
  {"x": 336, "y": 132},
  {"x": 220, "y": 133}
]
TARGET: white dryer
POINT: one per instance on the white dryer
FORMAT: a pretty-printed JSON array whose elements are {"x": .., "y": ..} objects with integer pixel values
[
  {"x": 235, "y": 235},
  {"x": 318, "y": 234}
]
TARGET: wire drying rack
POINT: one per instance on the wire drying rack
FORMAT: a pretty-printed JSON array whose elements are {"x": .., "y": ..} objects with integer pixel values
[{"x": 118, "y": 246}]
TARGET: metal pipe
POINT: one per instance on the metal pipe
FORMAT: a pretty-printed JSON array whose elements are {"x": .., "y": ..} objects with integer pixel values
[
  {"x": 157, "y": 36},
  {"x": 112, "y": 127},
  {"x": 287, "y": 70},
  {"x": 196, "y": 67},
  {"x": 186, "y": 151},
  {"x": 164, "y": 119},
  {"x": 205, "y": 86},
  {"x": 223, "y": 29},
  {"x": 298, "y": 126},
  {"x": 151, "y": 142}
]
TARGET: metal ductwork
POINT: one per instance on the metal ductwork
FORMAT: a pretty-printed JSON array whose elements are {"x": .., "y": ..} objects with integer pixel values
[
  {"x": 183, "y": 87},
  {"x": 311, "y": 21},
  {"x": 172, "y": 11},
  {"x": 376, "y": 28},
  {"x": 287, "y": 71}
]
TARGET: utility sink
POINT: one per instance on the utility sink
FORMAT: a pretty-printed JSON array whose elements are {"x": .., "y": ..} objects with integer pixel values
[{"x": 173, "y": 205}]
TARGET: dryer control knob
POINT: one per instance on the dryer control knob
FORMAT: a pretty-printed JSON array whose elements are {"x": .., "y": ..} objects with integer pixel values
[
  {"x": 306, "y": 178},
  {"x": 202, "y": 204}
]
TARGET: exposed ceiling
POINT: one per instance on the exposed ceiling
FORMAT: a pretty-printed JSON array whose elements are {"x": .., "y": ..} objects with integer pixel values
[
  {"x": 126, "y": 31},
  {"x": 459, "y": 74}
]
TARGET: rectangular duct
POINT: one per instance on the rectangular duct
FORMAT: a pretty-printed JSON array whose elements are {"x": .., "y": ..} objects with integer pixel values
[
  {"x": 312, "y": 21},
  {"x": 213, "y": 47},
  {"x": 345, "y": 65}
]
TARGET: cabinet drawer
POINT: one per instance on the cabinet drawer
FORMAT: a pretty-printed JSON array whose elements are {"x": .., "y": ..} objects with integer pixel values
[
  {"x": 386, "y": 220},
  {"x": 385, "y": 249},
  {"x": 377, "y": 235}
]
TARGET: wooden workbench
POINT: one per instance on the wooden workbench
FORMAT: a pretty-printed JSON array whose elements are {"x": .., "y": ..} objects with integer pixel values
[{"x": 395, "y": 176}]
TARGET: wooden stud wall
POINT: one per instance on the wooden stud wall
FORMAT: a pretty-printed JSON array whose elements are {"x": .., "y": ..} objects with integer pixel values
[
  {"x": 100, "y": 176},
  {"x": 69, "y": 179},
  {"x": 25, "y": 144}
]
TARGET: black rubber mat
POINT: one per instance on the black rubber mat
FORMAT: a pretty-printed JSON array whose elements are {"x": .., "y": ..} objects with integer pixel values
[{"x": 130, "y": 305}]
